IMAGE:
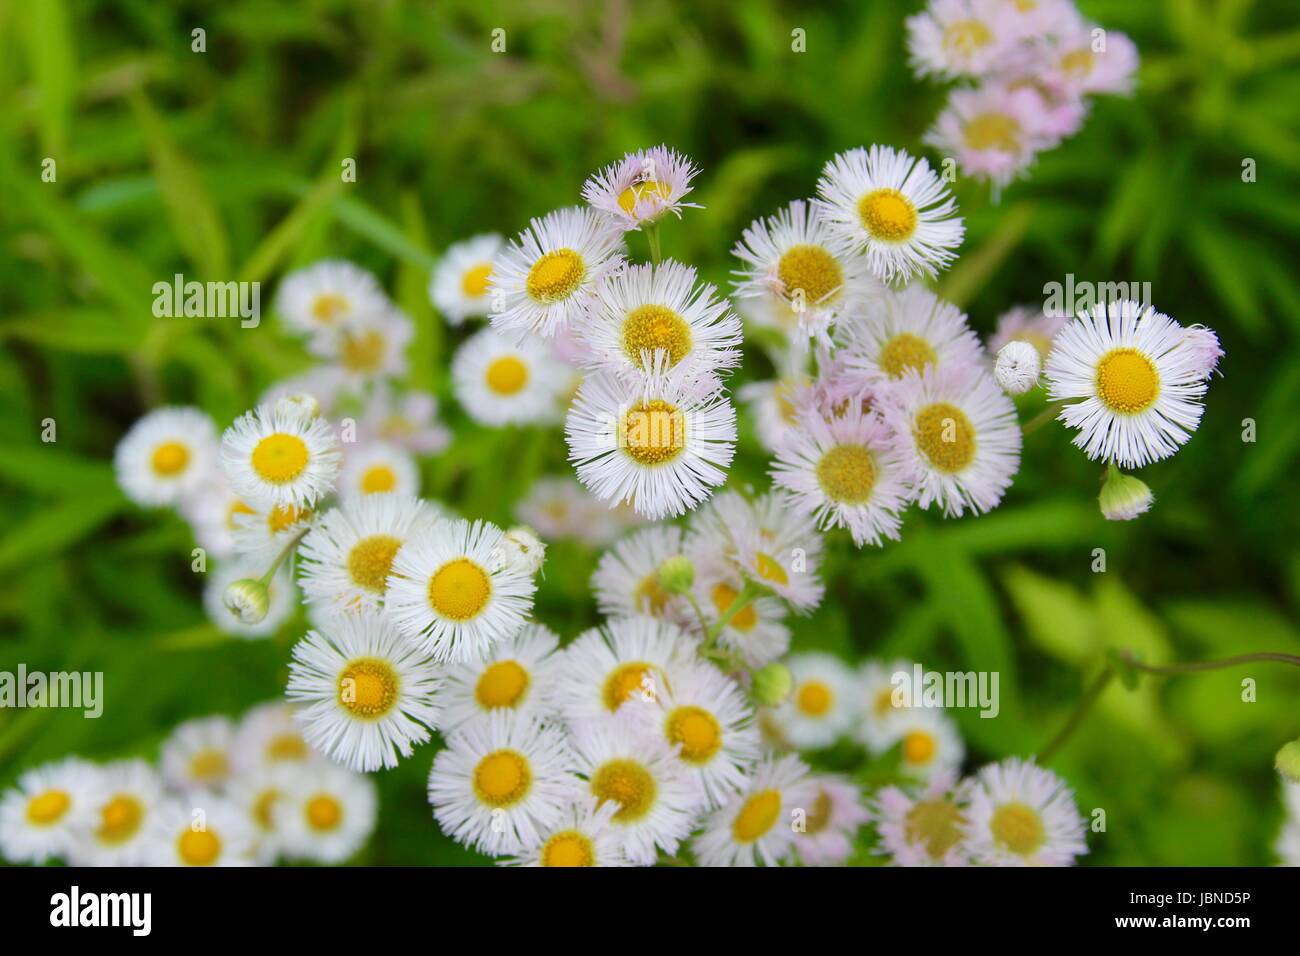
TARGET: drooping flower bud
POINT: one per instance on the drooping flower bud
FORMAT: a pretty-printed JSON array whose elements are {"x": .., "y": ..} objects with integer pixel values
[
  {"x": 1018, "y": 366},
  {"x": 248, "y": 600},
  {"x": 1124, "y": 497}
]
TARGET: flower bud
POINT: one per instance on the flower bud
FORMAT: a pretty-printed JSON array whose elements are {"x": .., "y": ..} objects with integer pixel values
[
  {"x": 299, "y": 405},
  {"x": 1124, "y": 497},
  {"x": 248, "y": 600},
  {"x": 677, "y": 574},
  {"x": 772, "y": 684},
  {"x": 522, "y": 550},
  {"x": 1017, "y": 367}
]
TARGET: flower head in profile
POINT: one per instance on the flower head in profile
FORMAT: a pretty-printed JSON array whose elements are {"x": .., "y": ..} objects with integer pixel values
[{"x": 641, "y": 187}]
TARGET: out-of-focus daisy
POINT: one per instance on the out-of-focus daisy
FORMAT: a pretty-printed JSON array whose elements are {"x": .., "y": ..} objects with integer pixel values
[
  {"x": 794, "y": 258},
  {"x": 407, "y": 419},
  {"x": 450, "y": 593},
  {"x": 657, "y": 800},
  {"x": 959, "y": 437},
  {"x": 517, "y": 676},
  {"x": 622, "y": 659},
  {"x": 784, "y": 560},
  {"x": 925, "y": 828},
  {"x": 282, "y": 599},
  {"x": 42, "y": 815},
  {"x": 928, "y": 741},
  {"x": 166, "y": 455},
  {"x": 330, "y": 295},
  {"x": 832, "y": 821},
  {"x": 582, "y": 837},
  {"x": 503, "y": 780},
  {"x": 345, "y": 560},
  {"x": 1087, "y": 59},
  {"x": 501, "y": 382},
  {"x": 649, "y": 311},
  {"x": 822, "y": 705},
  {"x": 626, "y": 580},
  {"x": 893, "y": 208},
  {"x": 1288, "y": 844},
  {"x": 561, "y": 508},
  {"x": 757, "y": 633},
  {"x": 127, "y": 795},
  {"x": 846, "y": 473},
  {"x": 261, "y": 534},
  {"x": 772, "y": 406},
  {"x": 201, "y": 830},
  {"x": 661, "y": 451},
  {"x": 964, "y": 38},
  {"x": 197, "y": 755},
  {"x": 1132, "y": 381},
  {"x": 369, "y": 350},
  {"x": 641, "y": 186},
  {"x": 756, "y": 826},
  {"x": 365, "y": 695},
  {"x": 881, "y": 707},
  {"x": 379, "y": 468},
  {"x": 211, "y": 511},
  {"x": 269, "y": 736},
  {"x": 459, "y": 285},
  {"x": 1023, "y": 815},
  {"x": 325, "y": 383},
  {"x": 994, "y": 131},
  {"x": 254, "y": 794},
  {"x": 325, "y": 814},
  {"x": 1017, "y": 368},
  {"x": 909, "y": 332},
  {"x": 543, "y": 281},
  {"x": 274, "y": 458},
  {"x": 1024, "y": 323}
]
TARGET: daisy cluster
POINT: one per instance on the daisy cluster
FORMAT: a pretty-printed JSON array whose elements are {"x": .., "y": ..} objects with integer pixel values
[
  {"x": 224, "y": 793},
  {"x": 1028, "y": 66}
]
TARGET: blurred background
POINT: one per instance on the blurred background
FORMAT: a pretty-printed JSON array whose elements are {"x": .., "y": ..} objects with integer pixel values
[{"x": 226, "y": 165}]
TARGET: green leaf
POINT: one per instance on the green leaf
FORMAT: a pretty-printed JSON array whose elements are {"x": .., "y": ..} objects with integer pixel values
[{"x": 54, "y": 528}]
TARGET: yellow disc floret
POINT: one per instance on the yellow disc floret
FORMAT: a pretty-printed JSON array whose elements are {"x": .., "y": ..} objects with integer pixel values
[
  {"x": 945, "y": 436},
  {"x": 887, "y": 215},
  {"x": 459, "y": 590},
  {"x": 1127, "y": 381},
  {"x": 556, "y": 276}
]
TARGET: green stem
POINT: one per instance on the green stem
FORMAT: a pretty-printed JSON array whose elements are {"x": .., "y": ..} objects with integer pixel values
[
  {"x": 652, "y": 236},
  {"x": 699, "y": 612},
  {"x": 738, "y": 604},
  {"x": 1080, "y": 711},
  {"x": 1042, "y": 418},
  {"x": 284, "y": 553}
]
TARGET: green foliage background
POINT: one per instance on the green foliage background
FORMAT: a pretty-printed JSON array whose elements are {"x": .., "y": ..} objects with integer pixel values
[{"x": 225, "y": 164}]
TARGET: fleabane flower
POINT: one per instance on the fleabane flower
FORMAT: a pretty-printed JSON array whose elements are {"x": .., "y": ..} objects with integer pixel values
[
  {"x": 823, "y": 704},
  {"x": 327, "y": 296},
  {"x": 1132, "y": 381},
  {"x": 909, "y": 332},
  {"x": 544, "y": 280},
  {"x": 923, "y": 826},
  {"x": 562, "y": 508},
  {"x": 928, "y": 742},
  {"x": 451, "y": 595},
  {"x": 519, "y": 675},
  {"x": 757, "y": 826},
  {"x": 41, "y": 816},
  {"x": 499, "y": 381},
  {"x": 378, "y": 468},
  {"x": 269, "y": 736},
  {"x": 459, "y": 285},
  {"x": 964, "y": 38},
  {"x": 408, "y": 419},
  {"x": 325, "y": 814},
  {"x": 881, "y": 708},
  {"x": 582, "y": 837},
  {"x": 893, "y": 208},
  {"x": 994, "y": 131},
  {"x": 197, "y": 754},
  {"x": 201, "y": 829},
  {"x": 128, "y": 795},
  {"x": 261, "y": 533},
  {"x": 1086, "y": 59},
  {"x": 272, "y": 458},
  {"x": 1022, "y": 323},
  {"x": 831, "y": 823},
  {"x": 626, "y": 580},
  {"x": 661, "y": 446},
  {"x": 641, "y": 187},
  {"x": 1023, "y": 815},
  {"x": 365, "y": 696},
  {"x": 958, "y": 433},
  {"x": 370, "y": 349},
  {"x": 166, "y": 456},
  {"x": 783, "y": 557}
]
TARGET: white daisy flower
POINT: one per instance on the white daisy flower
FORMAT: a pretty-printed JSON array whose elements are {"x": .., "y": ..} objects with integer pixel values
[
  {"x": 42, "y": 815},
  {"x": 880, "y": 706},
  {"x": 1137, "y": 379},
  {"x": 624, "y": 658},
  {"x": 626, "y": 580},
  {"x": 325, "y": 814},
  {"x": 282, "y": 599},
  {"x": 261, "y": 534},
  {"x": 648, "y": 311},
  {"x": 959, "y": 436},
  {"x": 273, "y": 458},
  {"x": 662, "y": 451},
  {"x": 658, "y": 801},
  {"x": 211, "y": 512},
  {"x": 561, "y": 508},
  {"x": 1086, "y": 59},
  {"x": 704, "y": 717},
  {"x": 792, "y": 257},
  {"x": 327, "y": 296},
  {"x": 965, "y": 38},
  {"x": 518, "y": 676},
  {"x": 923, "y": 828},
  {"x": 1023, "y": 815},
  {"x": 1023, "y": 323},
  {"x": 254, "y": 794},
  {"x": 503, "y": 780},
  {"x": 641, "y": 186},
  {"x": 783, "y": 558},
  {"x": 582, "y": 837},
  {"x": 201, "y": 829},
  {"x": 365, "y": 696},
  {"x": 823, "y": 704},
  {"x": 846, "y": 473},
  {"x": 450, "y": 593},
  {"x": 345, "y": 560},
  {"x": 832, "y": 822},
  {"x": 269, "y": 736},
  {"x": 502, "y": 382},
  {"x": 369, "y": 350},
  {"x": 757, "y": 825},
  {"x": 167, "y": 455},
  {"x": 407, "y": 419},
  {"x": 543, "y": 281},
  {"x": 458, "y": 287},
  {"x": 757, "y": 633},
  {"x": 928, "y": 742},
  {"x": 378, "y": 468},
  {"x": 909, "y": 332},
  {"x": 772, "y": 406},
  {"x": 127, "y": 795},
  {"x": 893, "y": 208},
  {"x": 197, "y": 754}
]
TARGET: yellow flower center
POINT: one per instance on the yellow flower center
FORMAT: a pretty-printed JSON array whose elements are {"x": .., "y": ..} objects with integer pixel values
[
  {"x": 819, "y": 815},
  {"x": 884, "y": 702},
  {"x": 170, "y": 458},
  {"x": 966, "y": 36},
  {"x": 323, "y": 812},
  {"x": 919, "y": 747},
  {"x": 506, "y": 375},
  {"x": 237, "y": 508},
  {"x": 946, "y": 437},
  {"x": 769, "y": 569},
  {"x": 502, "y": 685},
  {"x": 363, "y": 352},
  {"x": 459, "y": 590},
  {"x": 634, "y": 677},
  {"x": 1078, "y": 62},
  {"x": 697, "y": 730},
  {"x": 209, "y": 765},
  {"x": 502, "y": 778},
  {"x": 264, "y": 808},
  {"x": 120, "y": 819},
  {"x": 368, "y": 688},
  {"x": 935, "y": 824},
  {"x": 815, "y": 698},
  {"x": 906, "y": 352},
  {"x": 48, "y": 807},
  {"x": 628, "y": 784},
  {"x": 652, "y": 327},
  {"x": 1127, "y": 381},
  {"x": 888, "y": 215},
  {"x": 371, "y": 559},
  {"x": 628, "y": 198},
  {"x": 328, "y": 307},
  {"x": 199, "y": 847},
  {"x": 653, "y": 433},
  {"x": 474, "y": 282},
  {"x": 847, "y": 473},
  {"x": 650, "y": 595},
  {"x": 568, "y": 848},
  {"x": 812, "y": 269},
  {"x": 280, "y": 457},
  {"x": 993, "y": 131},
  {"x": 1018, "y": 828},
  {"x": 378, "y": 479},
  {"x": 556, "y": 276},
  {"x": 723, "y": 596},
  {"x": 285, "y": 747},
  {"x": 757, "y": 816},
  {"x": 283, "y": 517}
]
